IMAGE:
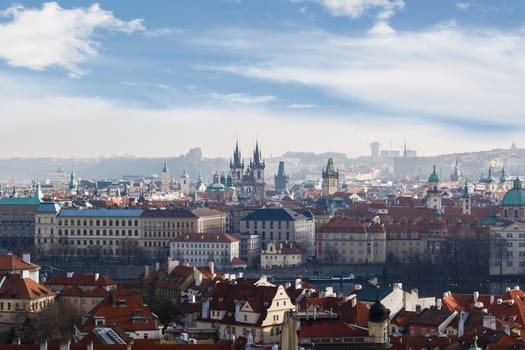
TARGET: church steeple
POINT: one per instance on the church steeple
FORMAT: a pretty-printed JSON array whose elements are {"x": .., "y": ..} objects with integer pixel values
[
  {"x": 257, "y": 157},
  {"x": 466, "y": 202},
  {"x": 236, "y": 162}
]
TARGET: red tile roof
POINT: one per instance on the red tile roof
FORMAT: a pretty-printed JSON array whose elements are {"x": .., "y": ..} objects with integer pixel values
[
  {"x": 206, "y": 237},
  {"x": 15, "y": 287},
  {"x": 12, "y": 262},
  {"x": 333, "y": 328},
  {"x": 87, "y": 279},
  {"x": 119, "y": 308},
  {"x": 343, "y": 225}
]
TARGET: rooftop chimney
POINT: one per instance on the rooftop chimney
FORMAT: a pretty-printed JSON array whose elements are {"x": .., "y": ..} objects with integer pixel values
[
  {"x": 146, "y": 271},
  {"x": 27, "y": 258},
  {"x": 43, "y": 345},
  {"x": 211, "y": 265},
  {"x": 461, "y": 323},
  {"x": 97, "y": 276},
  {"x": 172, "y": 264},
  {"x": 298, "y": 283}
]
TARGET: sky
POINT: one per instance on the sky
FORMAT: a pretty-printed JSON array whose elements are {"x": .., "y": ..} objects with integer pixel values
[{"x": 156, "y": 78}]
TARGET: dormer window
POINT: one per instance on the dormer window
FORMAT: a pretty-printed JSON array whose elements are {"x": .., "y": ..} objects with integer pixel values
[{"x": 99, "y": 320}]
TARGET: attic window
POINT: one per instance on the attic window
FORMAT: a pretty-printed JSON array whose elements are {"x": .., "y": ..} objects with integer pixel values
[
  {"x": 99, "y": 320},
  {"x": 122, "y": 303},
  {"x": 140, "y": 319}
]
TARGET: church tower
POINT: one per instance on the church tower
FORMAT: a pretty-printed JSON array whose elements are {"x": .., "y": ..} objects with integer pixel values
[
  {"x": 257, "y": 172},
  {"x": 258, "y": 165},
  {"x": 330, "y": 179},
  {"x": 237, "y": 166},
  {"x": 73, "y": 185},
  {"x": 378, "y": 325},
  {"x": 433, "y": 192},
  {"x": 467, "y": 205},
  {"x": 184, "y": 183},
  {"x": 165, "y": 180},
  {"x": 281, "y": 179}
]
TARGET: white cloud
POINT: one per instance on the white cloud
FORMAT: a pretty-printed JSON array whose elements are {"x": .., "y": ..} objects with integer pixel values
[
  {"x": 302, "y": 105},
  {"x": 462, "y": 5},
  {"x": 242, "y": 98},
  {"x": 39, "y": 113},
  {"x": 357, "y": 8},
  {"x": 446, "y": 72},
  {"x": 53, "y": 36}
]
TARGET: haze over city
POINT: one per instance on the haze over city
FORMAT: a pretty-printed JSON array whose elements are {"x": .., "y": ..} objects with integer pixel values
[{"x": 87, "y": 79}]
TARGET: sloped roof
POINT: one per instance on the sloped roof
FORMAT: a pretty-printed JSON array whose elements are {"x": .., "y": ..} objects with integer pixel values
[
  {"x": 341, "y": 224},
  {"x": 16, "y": 287},
  {"x": 335, "y": 328},
  {"x": 77, "y": 279},
  {"x": 48, "y": 207},
  {"x": 224, "y": 294},
  {"x": 206, "y": 237},
  {"x": 273, "y": 214},
  {"x": 431, "y": 317},
  {"x": 9, "y": 262},
  {"x": 119, "y": 308}
]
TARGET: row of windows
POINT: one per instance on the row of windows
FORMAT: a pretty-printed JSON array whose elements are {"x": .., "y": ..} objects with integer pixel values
[
  {"x": 413, "y": 235},
  {"x": 200, "y": 252},
  {"x": 255, "y": 224},
  {"x": 279, "y": 236},
  {"x": 162, "y": 234},
  {"x": 97, "y": 222},
  {"x": 168, "y": 224},
  {"x": 201, "y": 245},
  {"x": 97, "y": 232},
  {"x": 509, "y": 235},
  {"x": 154, "y": 244},
  {"x": 96, "y": 242}
]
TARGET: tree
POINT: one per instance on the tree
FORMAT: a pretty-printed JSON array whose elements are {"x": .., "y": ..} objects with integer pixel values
[
  {"x": 55, "y": 323},
  {"x": 165, "y": 308}
]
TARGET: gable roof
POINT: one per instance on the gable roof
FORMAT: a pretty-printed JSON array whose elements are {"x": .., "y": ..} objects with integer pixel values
[
  {"x": 335, "y": 328},
  {"x": 122, "y": 308},
  {"x": 274, "y": 214},
  {"x": 15, "y": 287},
  {"x": 78, "y": 279},
  {"x": 9, "y": 262}
]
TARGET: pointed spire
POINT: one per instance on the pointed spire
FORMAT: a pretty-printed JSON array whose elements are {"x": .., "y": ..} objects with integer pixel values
[
  {"x": 165, "y": 167},
  {"x": 465, "y": 190},
  {"x": 257, "y": 154},
  {"x": 236, "y": 162}
]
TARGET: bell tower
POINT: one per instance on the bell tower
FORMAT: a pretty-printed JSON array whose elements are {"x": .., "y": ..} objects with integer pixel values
[
  {"x": 330, "y": 178},
  {"x": 237, "y": 166}
]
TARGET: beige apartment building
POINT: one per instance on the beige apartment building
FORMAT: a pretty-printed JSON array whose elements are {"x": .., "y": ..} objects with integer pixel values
[
  {"x": 202, "y": 248},
  {"x": 106, "y": 233},
  {"x": 345, "y": 241}
]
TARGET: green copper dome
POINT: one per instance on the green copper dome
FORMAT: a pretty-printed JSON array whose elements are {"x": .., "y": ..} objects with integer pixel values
[
  {"x": 516, "y": 196},
  {"x": 215, "y": 187},
  {"x": 433, "y": 177}
]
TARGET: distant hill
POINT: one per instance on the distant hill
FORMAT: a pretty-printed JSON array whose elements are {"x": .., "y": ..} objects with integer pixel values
[{"x": 299, "y": 165}]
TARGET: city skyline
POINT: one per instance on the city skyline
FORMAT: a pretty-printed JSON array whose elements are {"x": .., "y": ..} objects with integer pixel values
[{"x": 88, "y": 79}]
